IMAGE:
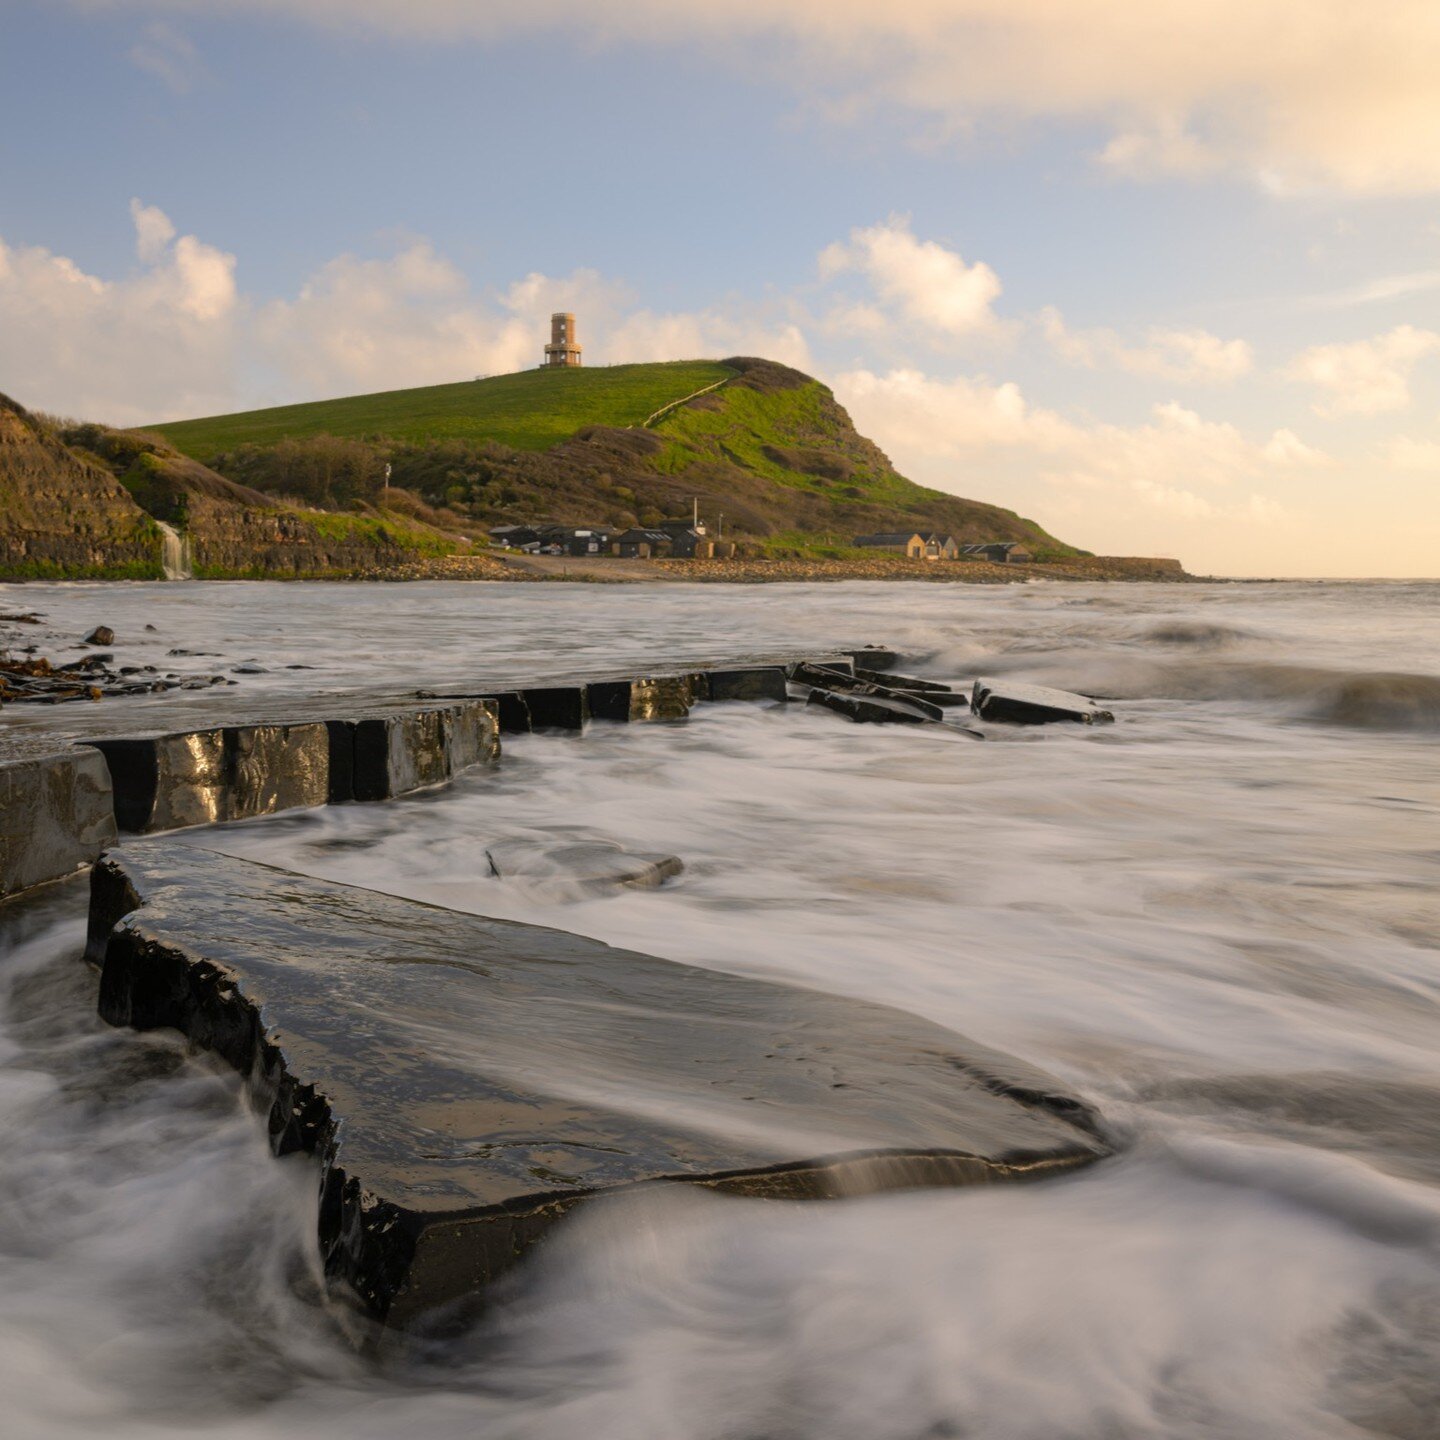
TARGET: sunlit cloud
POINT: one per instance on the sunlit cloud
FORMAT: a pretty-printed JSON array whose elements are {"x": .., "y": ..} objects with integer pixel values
[
  {"x": 1189, "y": 357},
  {"x": 1365, "y": 377}
]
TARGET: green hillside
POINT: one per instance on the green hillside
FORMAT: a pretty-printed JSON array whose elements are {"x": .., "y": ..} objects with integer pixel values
[
  {"x": 763, "y": 445},
  {"x": 530, "y": 410}
]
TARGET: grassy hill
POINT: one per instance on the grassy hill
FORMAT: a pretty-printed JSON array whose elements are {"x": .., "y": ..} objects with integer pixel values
[
  {"x": 531, "y": 410},
  {"x": 766, "y": 446}
]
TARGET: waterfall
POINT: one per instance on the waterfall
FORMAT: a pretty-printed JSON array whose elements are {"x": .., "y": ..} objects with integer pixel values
[{"x": 175, "y": 556}]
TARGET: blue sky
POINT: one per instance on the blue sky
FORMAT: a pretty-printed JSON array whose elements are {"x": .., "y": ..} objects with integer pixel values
[{"x": 1190, "y": 299}]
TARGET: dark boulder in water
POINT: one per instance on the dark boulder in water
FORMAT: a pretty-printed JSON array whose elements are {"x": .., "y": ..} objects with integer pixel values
[
  {"x": 1016, "y": 704},
  {"x": 100, "y": 635},
  {"x": 464, "y": 1082}
]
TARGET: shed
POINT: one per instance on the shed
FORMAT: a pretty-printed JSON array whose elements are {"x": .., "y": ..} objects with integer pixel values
[{"x": 896, "y": 541}]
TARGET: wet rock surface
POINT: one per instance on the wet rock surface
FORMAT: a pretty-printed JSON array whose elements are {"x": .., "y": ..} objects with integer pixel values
[
  {"x": 203, "y": 777},
  {"x": 762, "y": 683},
  {"x": 872, "y": 709},
  {"x": 579, "y": 867},
  {"x": 379, "y": 757},
  {"x": 1015, "y": 704},
  {"x": 55, "y": 816},
  {"x": 663, "y": 697},
  {"x": 464, "y": 1082},
  {"x": 557, "y": 707}
]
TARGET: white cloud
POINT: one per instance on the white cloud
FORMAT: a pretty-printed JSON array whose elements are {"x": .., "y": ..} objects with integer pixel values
[
  {"x": 1292, "y": 95},
  {"x": 1185, "y": 356},
  {"x": 158, "y": 342},
  {"x": 1365, "y": 377},
  {"x": 153, "y": 231},
  {"x": 1167, "y": 463},
  {"x": 1419, "y": 456},
  {"x": 920, "y": 281},
  {"x": 169, "y": 56}
]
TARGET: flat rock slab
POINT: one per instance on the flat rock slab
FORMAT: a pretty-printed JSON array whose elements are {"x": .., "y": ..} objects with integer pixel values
[
  {"x": 464, "y": 1081},
  {"x": 580, "y": 868},
  {"x": 56, "y": 816},
  {"x": 1017, "y": 704}
]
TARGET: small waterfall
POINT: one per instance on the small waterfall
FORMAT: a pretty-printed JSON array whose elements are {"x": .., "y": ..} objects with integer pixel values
[{"x": 175, "y": 556}]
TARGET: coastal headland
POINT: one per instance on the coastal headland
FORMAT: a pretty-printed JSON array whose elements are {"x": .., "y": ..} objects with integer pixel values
[{"x": 422, "y": 484}]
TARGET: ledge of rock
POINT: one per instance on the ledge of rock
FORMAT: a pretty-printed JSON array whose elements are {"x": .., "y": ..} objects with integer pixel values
[
  {"x": 577, "y": 868},
  {"x": 1017, "y": 704},
  {"x": 659, "y": 697},
  {"x": 56, "y": 815},
  {"x": 464, "y": 1082}
]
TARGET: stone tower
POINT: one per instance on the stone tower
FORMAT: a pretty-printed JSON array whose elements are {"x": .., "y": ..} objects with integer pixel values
[{"x": 562, "y": 349}]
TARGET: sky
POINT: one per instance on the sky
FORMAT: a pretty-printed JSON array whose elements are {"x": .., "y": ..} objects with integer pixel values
[{"x": 1163, "y": 275}]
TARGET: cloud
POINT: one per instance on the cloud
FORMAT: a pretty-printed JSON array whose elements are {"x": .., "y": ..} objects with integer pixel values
[
  {"x": 1364, "y": 377},
  {"x": 177, "y": 338},
  {"x": 153, "y": 231},
  {"x": 1385, "y": 287},
  {"x": 1167, "y": 463},
  {"x": 1193, "y": 357},
  {"x": 160, "y": 341},
  {"x": 1419, "y": 456},
  {"x": 1292, "y": 95},
  {"x": 168, "y": 55},
  {"x": 919, "y": 281}
]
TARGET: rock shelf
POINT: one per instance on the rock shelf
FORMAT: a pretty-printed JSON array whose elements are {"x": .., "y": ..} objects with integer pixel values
[{"x": 465, "y": 1082}]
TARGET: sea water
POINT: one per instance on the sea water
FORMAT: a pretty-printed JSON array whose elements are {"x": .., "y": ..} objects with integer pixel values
[{"x": 1217, "y": 919}]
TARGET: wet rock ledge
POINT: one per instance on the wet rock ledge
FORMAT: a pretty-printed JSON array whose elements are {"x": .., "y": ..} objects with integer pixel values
[{"x": 464, "y": 1082}]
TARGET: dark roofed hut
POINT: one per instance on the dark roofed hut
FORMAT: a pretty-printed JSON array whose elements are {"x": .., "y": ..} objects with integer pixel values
[{"x": 897, "y": 541}]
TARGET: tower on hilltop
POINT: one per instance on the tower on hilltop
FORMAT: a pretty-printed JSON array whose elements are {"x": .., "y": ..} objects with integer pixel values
[{"x": 563, "y": 348}]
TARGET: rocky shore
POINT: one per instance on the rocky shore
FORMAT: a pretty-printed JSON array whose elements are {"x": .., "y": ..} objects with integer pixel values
[{"x": 761, "y": 570}]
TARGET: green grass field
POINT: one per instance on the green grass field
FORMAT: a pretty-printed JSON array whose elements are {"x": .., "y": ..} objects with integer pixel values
[{"x": 531, "y": 410}]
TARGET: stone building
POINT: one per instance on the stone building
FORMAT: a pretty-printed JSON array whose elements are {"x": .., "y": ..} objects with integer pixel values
[
  {"x": 899, "y": 542},
  {"x": 563, "y": 348}
]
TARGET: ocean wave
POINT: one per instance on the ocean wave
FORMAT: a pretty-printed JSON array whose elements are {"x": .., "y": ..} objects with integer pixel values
[{"x": 1199, "y": 635}]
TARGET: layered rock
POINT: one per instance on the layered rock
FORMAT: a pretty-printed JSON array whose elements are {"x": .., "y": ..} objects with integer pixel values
[{"x": 465, "y": 1082}]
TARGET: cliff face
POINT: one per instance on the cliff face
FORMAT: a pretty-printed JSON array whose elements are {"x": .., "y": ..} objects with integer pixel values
[
  {"x": 63, "y": 516},
  {"x": 88, "y": 510}
]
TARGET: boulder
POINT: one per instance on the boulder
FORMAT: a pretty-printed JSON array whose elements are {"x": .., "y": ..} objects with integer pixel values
[
  {"x": 873, "y": 657},
  {"x": 202, "y": 777},
  {"x": 100, "y": 635},
  {"x": 1015, "y": 704},
  {"x": 464, "y": 1082},
  {"x": 577, "y": 868},
  {"x": 56, "y": 816}
]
